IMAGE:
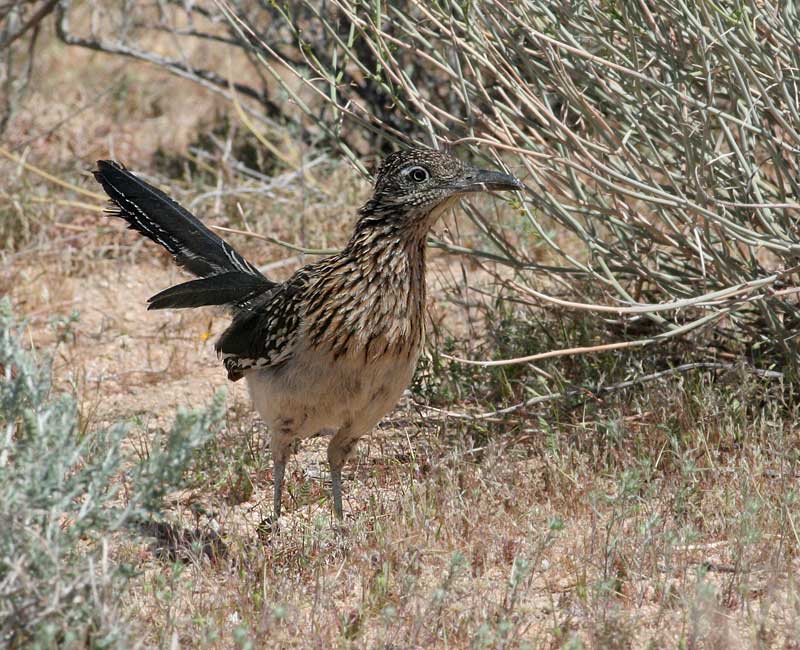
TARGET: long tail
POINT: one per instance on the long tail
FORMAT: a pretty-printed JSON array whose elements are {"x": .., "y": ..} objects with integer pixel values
[{"x": 226, "y": 276}]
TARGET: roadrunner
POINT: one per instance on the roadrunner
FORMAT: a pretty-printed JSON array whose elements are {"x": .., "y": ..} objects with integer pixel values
[{"x": 331, "y": 350}]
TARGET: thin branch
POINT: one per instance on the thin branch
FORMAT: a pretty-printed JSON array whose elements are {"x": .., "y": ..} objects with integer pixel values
[
  {"x": 207, "y": 78},
  {"x": 43, "y": 11},
  {"x": 595, "y": 390}
]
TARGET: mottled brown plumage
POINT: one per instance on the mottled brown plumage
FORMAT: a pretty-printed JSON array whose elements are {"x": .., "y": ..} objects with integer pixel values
[{"x": 331, "y": 349}]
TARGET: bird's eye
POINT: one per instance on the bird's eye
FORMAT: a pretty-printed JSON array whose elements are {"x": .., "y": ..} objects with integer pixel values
[{"x": 418, "y": 174}]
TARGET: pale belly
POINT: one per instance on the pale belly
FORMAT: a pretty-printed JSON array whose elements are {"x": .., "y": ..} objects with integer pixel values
[{"x": 314, "y": 393}]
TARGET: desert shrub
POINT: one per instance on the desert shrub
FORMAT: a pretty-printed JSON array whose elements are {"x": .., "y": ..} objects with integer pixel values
[
  {"x": 62, "y": 503},
  {"x": 661, "y": 139}
]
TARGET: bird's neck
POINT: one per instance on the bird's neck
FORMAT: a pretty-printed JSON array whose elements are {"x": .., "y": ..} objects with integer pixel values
[
  {"x": 408, "y": 221},
  {"x": 371, "y": 300},
  {"x": 387, "y": 239},
  {"x": 393, "y": 254}
]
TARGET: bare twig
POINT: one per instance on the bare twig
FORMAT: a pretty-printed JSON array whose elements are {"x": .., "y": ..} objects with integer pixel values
[
  {"x": 40, "y": 14},
  {"x": 595, "y": 390}
]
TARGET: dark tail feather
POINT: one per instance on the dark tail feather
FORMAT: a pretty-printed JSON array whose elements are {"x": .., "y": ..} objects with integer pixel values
[
  {"x": 232, "y": 288},
  {"x": 155, "y": 215}
]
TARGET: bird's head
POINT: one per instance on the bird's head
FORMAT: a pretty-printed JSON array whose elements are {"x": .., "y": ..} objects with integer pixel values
[{"x": 414, "y": 186}]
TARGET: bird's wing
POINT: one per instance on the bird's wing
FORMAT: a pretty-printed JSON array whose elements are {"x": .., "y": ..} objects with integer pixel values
[{"x": 263, "y": 334}]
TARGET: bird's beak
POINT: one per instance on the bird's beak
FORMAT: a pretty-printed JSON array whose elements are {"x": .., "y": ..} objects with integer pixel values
[{"x": 484, "y": 180}]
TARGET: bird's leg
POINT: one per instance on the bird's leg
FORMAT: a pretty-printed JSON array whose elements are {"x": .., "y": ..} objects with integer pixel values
[
  {"x": 336, "y": 489},
  {"x": 281, "y": 445},
  {"x": 339, "y": 449},
  {"x": 278, "y": 470}
]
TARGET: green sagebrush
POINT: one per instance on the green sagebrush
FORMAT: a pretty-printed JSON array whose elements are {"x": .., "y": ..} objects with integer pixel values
[{"x": 61, "y": 504}]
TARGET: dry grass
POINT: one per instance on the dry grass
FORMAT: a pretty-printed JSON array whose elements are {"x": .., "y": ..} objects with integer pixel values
[{"x": 661, "y": 516}]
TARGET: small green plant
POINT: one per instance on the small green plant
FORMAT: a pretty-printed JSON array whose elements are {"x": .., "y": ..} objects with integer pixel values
[{"x": 61, "y": 505}]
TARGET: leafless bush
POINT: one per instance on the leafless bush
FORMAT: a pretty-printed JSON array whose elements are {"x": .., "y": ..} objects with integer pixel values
[{"x": 664, "y": 139}]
